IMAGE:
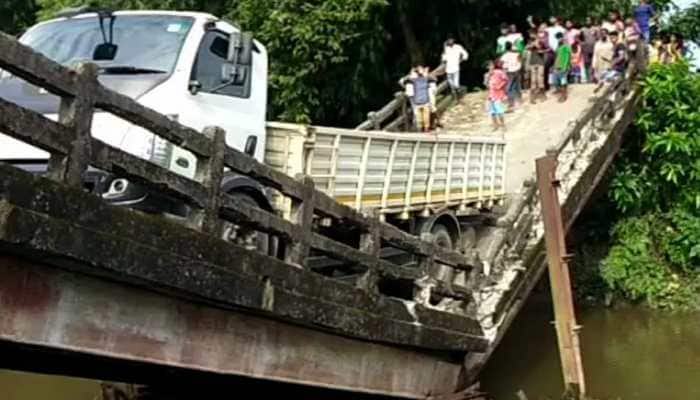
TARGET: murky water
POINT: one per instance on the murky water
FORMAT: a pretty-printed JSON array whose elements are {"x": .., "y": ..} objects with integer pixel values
[
  {"x": 628, "y": 354},
  {"x": 25, "y": 386}
]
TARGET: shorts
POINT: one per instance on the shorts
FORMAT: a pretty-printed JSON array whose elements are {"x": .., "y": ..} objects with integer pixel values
[
  {"x": 560, "y": 78},
  {"x": 496, "y": 108}
]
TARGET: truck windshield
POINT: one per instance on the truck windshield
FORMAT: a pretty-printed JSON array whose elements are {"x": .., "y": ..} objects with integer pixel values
[{"x": 145, "y": 42}]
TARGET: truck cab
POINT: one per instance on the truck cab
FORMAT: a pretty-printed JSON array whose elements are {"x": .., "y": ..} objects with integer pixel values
[{"x": 193, "y": 67}]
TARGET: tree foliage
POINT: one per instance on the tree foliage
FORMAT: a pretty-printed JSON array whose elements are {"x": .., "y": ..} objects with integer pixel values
[
  {"x": 687, "y": 23},
  {"x": 321, "y": 52},
  {"x": 656, "y": 251},
  {"x": 16, "y": 15},
  {"x": 663, "y": 168}
]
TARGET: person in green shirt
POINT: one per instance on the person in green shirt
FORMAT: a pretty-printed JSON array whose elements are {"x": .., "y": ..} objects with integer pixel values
[
  {"x": 502, "y": 40},
  {"x": 562, "y": 67},
  {"x": 516, "y": 38}
]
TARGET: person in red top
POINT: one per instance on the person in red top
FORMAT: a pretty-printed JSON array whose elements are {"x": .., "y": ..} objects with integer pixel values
[{"x": 498, "y": 96}]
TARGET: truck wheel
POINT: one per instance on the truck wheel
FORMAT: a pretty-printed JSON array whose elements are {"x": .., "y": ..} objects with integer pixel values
[
  {"x": 244, "y": 236},
  {"x": 441, "y": 237}
]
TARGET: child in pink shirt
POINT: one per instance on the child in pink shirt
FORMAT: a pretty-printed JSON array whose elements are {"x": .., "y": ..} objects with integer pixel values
[{"x": 498, "y": 96}]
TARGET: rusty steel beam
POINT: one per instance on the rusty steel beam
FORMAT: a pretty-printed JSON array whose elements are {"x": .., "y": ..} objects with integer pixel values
[
  {"x": 559, "y": 279},
  {"x": 59, "y": 310}
]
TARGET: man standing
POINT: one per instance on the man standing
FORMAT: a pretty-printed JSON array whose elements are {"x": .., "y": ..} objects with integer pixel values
[
  {"x": 644, "y": 14},
  {"x": 418, "y": 90},
  {"x": 562, "y": 66},
  {"x": 618, "y": 62},
  {"x": 590, "y": 34},
  {"x": 553, "y": 31},
  {"x": 610, "y": 25},
  {"x": 516, "y": 39},
  {"x": 502, "y": 40},
  {"x": 453, "y": 56},
  {"x": 537, "y": 51},
  {"x": 620, "y": 59},
  {"x": 602, "y": 56}
]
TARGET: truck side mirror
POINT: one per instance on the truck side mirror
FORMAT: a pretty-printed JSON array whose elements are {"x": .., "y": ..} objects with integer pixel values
[
  {"x": 238, "y": 59},
  {"x": 240, "y": 48},
  {"x": 251, "y": 145}
]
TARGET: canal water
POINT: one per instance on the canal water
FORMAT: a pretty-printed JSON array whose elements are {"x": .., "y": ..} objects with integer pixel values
[
  {"x": 26, "y": 386},
  {"x": 629, "y": 353}
]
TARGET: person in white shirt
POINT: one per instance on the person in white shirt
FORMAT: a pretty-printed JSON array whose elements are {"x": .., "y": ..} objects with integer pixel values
[
  {"x": 453, "y": 55},
  {"x": 512, "y": 64},
  {"x": 554, "y": 29}
]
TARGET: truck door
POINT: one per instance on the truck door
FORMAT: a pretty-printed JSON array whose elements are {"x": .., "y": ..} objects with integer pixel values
[{"x": 238, "y": 109}]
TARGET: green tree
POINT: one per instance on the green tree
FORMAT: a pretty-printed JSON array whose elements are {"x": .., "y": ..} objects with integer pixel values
[
  {"x": 656, "y": 251},
  {"x": 662, "y": 171},
  {"x": 16, "y": 15},
  {"x": 324, "y": 54},
  {"x": 687, "y": 23}
]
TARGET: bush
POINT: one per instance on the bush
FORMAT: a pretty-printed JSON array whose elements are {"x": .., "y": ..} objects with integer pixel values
[
  {"x": 656, "y": 244},
  {"x": 647, "y": 262}
]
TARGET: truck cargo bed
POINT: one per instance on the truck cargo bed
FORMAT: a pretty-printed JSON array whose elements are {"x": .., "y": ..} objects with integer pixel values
[{"x": 392, "y": 173}]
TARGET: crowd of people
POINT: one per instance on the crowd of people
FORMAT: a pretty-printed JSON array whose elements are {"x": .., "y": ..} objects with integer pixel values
[{"x": 551, "y": 56}]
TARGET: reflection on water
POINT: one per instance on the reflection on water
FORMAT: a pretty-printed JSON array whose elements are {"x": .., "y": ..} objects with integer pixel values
[
  {"x": 628, "y": 353},
  {"x": 24, "y": 386}
]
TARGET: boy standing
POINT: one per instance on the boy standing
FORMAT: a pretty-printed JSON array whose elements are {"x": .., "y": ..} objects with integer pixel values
[
  {"x": 562, "y": 66},
  {"x": 644, "y": 14}
]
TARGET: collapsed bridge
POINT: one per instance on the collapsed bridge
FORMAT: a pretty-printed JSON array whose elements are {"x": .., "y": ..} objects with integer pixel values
[{"x": 104, "y": 285}]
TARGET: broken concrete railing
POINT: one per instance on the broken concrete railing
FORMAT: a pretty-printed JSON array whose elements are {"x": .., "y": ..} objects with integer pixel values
[{"x": 514, "y": 252}]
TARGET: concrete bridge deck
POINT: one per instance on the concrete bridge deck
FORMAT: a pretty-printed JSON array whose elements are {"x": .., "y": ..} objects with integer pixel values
[{"x": 531, "y": 129}]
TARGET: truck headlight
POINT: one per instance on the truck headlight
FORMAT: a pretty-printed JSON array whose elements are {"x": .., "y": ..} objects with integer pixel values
[{"x": 117, "y": 188}]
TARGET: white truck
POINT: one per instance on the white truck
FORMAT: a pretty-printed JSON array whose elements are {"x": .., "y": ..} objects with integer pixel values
[{"x": 203, "y": 71}]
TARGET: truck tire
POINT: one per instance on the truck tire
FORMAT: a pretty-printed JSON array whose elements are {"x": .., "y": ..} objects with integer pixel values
[
  {"x": 243, "y": 236},
  {"x": 442, "y": 237}
]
